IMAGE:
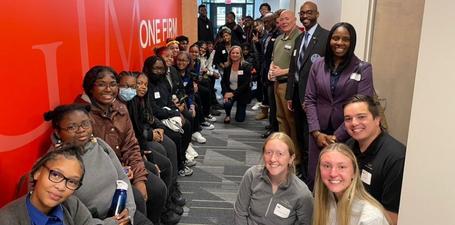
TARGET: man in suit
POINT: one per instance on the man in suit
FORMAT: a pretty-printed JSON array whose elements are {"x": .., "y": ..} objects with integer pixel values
[{"x": 309, "y": 46}]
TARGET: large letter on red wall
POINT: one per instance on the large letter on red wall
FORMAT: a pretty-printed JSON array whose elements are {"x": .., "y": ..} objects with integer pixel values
[{"x": 46, "y": 48}]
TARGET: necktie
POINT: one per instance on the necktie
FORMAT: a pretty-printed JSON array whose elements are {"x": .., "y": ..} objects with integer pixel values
[{"x": 301, "y": 55}]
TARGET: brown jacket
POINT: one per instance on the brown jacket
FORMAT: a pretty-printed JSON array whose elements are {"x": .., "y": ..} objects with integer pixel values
[{"x": 116, "y": 130}]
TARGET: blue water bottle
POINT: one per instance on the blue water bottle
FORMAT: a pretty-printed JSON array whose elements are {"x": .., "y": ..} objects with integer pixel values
[{"x": 119, "y": 200}]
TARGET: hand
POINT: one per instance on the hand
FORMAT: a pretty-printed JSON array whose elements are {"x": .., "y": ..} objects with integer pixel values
[
  {"x": 227, "y": 96},
  {"x": 158, "y": 169},
  {"x": 130, "y": 173},
  {"x": 290, "y": 105},
  {"x": 156, "y": 136},
  {"x": 193, "y": 110},
  {"x": 324, "y": 140},
  {"x": 160, "y": 131},
  {"x": 123, "y": 218},
  {"x": 140, "y": 186},
  {"x": 255, "y": 38},
  {"x": 195, "y": 87},
  {"x": 180, "y": 106}
]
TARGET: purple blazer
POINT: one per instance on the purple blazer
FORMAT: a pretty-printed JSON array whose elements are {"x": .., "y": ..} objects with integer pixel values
[{"x": 320, "y": 106}]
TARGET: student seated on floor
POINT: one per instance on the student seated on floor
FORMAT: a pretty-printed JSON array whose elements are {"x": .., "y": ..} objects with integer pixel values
[
  {"x": 272, "y": 194},
  {"x": 55, "y": 177}
]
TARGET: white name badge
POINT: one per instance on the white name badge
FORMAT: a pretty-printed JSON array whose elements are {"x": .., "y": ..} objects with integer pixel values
[
  {"x": 157, "y": 95},
  {"x": 288, "y": 47},
  {"x": 366, "y": 177},
  {"x": 356, "y": 76},
  {"x": 185, "y": 83},
  {"x": 240, "y": 72},
  {"x": 295, "y": 52},
  {"x": 207, "y": 26},
  {"x": 223, "y": 51},
  {"x": 273, "y": 39},
  {"x": 281, "y": 211}
]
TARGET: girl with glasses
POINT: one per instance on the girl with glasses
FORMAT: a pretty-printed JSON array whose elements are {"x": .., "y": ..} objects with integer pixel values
[{"x": 55, "y": 177}]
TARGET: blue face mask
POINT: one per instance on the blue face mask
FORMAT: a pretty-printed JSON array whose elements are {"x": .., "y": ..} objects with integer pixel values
[{"x": 127, "y": 94}]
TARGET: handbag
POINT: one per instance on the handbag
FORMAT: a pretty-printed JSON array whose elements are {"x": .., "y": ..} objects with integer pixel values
[{"x": 174, "y": 123}]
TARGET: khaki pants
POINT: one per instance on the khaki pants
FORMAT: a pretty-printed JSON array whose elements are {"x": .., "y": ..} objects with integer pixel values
[{"x": 286, "y": 122}]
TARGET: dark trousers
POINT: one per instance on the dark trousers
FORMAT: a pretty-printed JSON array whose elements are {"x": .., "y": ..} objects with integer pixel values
[
  {"x": 301, "y": 125},
  {"x": 205, "y": 94},
  {"x": 182, "y": 141},
  {"x": 240, "y": 114},
  {"x": 272, "y": 112},
  {"x": 140, "y": 219}
]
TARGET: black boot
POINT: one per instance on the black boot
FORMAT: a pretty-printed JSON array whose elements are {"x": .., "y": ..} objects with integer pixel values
[{"x": 176, "y": 195}]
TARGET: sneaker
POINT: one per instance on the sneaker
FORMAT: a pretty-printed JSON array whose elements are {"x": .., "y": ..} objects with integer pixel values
[
  {"x": 210, "y": 119},
  {"x": 190, "y": 163},
  {"x": 207, "y": 125},
  {"x": 256, "y": 106},
  {"x": 197, "y": 137},
  {"x": 191, "y": 152},
  {"x": 186, "y": 171}
]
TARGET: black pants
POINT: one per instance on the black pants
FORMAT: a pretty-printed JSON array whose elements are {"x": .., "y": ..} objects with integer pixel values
[
  {"x": 140, "y": 219},
  {"x": 205, "y": 95},
  {"x": 160, "y": 158},
  {"x": 157, "y": 194},
  {"x": 301, "y": 126},
  {"x": 182, "y": 141},
  {"x": 240, "y": 114}
]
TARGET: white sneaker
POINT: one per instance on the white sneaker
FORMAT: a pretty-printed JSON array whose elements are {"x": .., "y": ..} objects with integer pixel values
[
  {"x": 191, "y": 153},
  {"x": 208, "y": 126},
  {"x": 197, "y": 137},
  {"x": 210, "y": 119},
  {"x": 256, "y": 106}
]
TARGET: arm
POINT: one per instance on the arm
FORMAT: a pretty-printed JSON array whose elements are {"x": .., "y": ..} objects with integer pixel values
[
  {"x": 81, "y": 215},
  {"x": 305, "y": 210},
  {"x": 158, "y": 111},
  {"x": 242, "y": 203},
  {"x": 310, "y": 103},
  {"x": 130, "y": 205}
]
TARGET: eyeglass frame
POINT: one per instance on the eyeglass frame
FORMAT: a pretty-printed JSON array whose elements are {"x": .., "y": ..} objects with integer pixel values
[
  {"x": 63, "y": 178},
  {"x": 84, "y": 124}
]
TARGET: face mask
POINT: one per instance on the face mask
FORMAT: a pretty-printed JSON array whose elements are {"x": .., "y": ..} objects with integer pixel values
[{"x": 127, "y": 94}]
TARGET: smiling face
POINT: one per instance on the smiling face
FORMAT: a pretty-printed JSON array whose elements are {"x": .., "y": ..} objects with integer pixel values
[
  {"x": 105, "y": 89},
  {"x": 182, "y": 61},
  {"x": 337, "y": 171},
  {"x": 81, "y": 121},
  {"x": 359, "y": 122},
  {"x": 226, "y": 37},
  {"x": 235, "y": 54},
  {"x": 277, "y": 158},
  {"x": 174, "y": 48},
  {"x": 308, "y": 15},
  {"x": 340, "y": 42},
  {"x": 168, "y": 58},
  {"x": 194, "y": 52},
  {"x": 47, "y": 194},
  {"x": 287, "y": 21},
  {"x": 142, "y": 85}
]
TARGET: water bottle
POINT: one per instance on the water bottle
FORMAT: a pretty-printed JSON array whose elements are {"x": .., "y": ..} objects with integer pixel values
[{"x": 119, "y": 200}]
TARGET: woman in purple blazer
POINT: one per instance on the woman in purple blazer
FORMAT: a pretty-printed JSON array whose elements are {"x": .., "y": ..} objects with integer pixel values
[{"x": 332, "y": 81}]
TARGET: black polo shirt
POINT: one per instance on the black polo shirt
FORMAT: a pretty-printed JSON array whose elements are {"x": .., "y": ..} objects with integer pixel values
[{"x": 381, "y": 165}]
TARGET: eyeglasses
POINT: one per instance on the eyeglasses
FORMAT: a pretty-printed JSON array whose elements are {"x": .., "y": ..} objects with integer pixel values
[
  {"x": 75, "y": 127},
  {"x": 58, "y": 177},
  {"x": 103, "y": 85},
  {"x": 308, "y": 12}
]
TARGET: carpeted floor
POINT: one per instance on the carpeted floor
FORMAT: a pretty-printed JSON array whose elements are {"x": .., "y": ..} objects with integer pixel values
[{"x": 212, "y": 189}]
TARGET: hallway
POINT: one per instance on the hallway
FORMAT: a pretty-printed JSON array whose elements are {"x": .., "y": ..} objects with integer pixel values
[{"x": 230, "y": 150}]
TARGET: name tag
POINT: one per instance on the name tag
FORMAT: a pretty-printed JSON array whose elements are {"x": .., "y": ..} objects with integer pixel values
[
  {"x": 157, "y": 95},
  {"x": 185, "y": 83},
  {"x": 356, "y": 76},
  {"x": 281, "y": 211},
  {"x": 223, "y": 51},
  {"x": 295, "y": 52},
  {"x": 273, "y": 39},
  {"x": 207, "y": 26},
  {"x": 240, "y": 72},
  {"x": 288, "y": 47},
  {"x": 366, "y": 177}
]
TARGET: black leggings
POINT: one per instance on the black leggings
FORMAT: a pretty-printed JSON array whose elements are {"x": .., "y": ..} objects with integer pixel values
[
  {"x": 165, "y": 156},
  {"x": 157, "y": 194}
]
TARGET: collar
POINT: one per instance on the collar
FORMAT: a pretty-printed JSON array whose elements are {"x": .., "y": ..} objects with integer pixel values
[
  {"x": 312, "y": 30},
  {"x": 56, "y": 215},
  {"x": 116, "y": 107},
  {"x": 372, "y": 149},
  {"x": 266, "y": 178},
  {"x": 292, "y": 33}
]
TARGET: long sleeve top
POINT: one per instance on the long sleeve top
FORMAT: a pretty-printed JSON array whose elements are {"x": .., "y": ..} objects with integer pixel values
[{"x": 256, "y": 203}]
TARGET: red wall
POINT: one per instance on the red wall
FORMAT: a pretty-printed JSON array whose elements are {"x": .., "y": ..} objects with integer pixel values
[{"x": 48, "y": 45}]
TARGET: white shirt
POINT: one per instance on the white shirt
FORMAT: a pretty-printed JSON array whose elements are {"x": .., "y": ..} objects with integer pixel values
[{"x": 363, "y": 213}]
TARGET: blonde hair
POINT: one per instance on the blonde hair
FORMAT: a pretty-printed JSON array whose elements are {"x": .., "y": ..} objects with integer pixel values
[
  {"x": 241, "y": 55},
  {"x": 355, "y": 191},
  {"x": 288, "y": 142}
]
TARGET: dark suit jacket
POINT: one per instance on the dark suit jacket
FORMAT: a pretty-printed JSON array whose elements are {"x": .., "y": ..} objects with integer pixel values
[
  {"x": 316, "y": 48},
  {"x": 242, "y": 93}
]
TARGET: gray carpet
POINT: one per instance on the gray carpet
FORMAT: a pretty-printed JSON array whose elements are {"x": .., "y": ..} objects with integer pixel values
[{"x": 212, "y": 189}]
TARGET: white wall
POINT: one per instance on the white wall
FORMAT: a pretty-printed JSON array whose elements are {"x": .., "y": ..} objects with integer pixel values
[
  {"x": 329, "y": 12},
  {"x": 428, "y": 195}
]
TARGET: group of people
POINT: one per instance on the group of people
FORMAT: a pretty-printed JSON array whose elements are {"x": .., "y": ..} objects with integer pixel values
[{"x": 326, "y": 159}]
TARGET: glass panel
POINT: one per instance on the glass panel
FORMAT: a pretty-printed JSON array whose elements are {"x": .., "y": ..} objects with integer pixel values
[
  {"x": 238, "y": 11},
  {"x": 250, "y": 1},
  {"x": 237, "y": 1},
  {"x": 219, "y": 1},
  {"x": 220, "y": 16},
  {"x": 249, "y": 10}
]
